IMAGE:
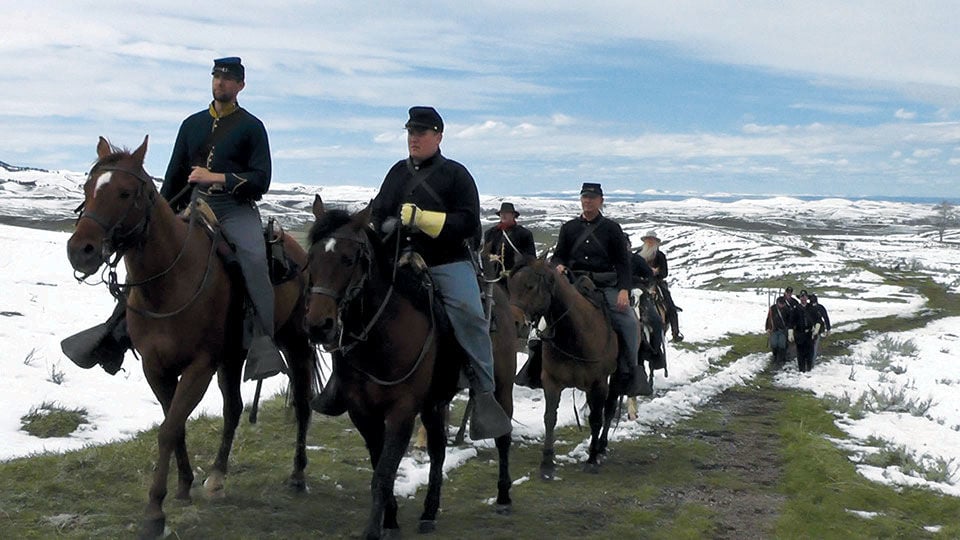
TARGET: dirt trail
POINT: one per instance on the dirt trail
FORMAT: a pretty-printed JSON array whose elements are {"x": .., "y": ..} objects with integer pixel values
[{"x": 746, "y": 449}]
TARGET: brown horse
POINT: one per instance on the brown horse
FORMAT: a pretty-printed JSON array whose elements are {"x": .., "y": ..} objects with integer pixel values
[
  {"x": 579, "y": 351},
  {"x": 184, "y": 314},
  {"x": 393, "y": 356}
]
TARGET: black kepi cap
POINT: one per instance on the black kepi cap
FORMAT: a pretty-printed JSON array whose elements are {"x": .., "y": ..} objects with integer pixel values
[
  {"x": 229, "y": 66},
  {"x": 591, "y": 188},
  {"x": 425, "y": 117}
]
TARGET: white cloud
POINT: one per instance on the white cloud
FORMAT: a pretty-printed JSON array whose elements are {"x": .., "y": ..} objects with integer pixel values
[{"x": 904, "y": 114}]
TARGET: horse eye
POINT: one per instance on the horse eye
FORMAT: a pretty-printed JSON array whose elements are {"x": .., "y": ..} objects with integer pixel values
[
  {"x": 346, "y": 261},
  {"x": 125, "y": 194}
]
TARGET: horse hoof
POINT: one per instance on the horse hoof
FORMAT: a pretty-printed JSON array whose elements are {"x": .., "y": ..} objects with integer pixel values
[
  {"x": 427, "y": 526},
  {"x": 151, "y": 529},
  {"x": 547, "y": 474},
  {"x": 592, "y": 468},
  {"x": 213, "y": 487},
  {"x": 298, "y": 485},
  {"x": 504, "y": 509}
]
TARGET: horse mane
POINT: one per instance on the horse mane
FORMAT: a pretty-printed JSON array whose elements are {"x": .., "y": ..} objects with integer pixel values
[{"x": 330, "y": 221}]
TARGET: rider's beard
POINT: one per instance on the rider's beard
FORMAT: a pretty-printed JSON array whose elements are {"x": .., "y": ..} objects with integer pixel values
[{"x": 649, "y": 253}]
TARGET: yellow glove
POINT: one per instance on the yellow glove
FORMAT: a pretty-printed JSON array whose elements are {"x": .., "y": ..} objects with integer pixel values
[{"x": 428, "y": 221}]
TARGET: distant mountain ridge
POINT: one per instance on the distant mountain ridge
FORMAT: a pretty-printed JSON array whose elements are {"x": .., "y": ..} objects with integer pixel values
[
  {"x": 37, "y": 197},
  {"x": 14, "y": 168}
]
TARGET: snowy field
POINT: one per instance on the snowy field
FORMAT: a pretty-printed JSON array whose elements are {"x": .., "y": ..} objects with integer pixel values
[{"x": 893, "y": 393}]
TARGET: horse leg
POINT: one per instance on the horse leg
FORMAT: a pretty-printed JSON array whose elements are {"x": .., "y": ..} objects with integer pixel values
[
  {"x": 504, "y": 482},
  {"x": 178, "y": 400},
  {"x": 610, "y": 407},
  {"x": 631, "y": 408},
  {"x": 396, "y": 437},
  {"x": 595, "y": 397},
  {"x": 228, "y": 378},
  {"x": 433, "y": 417},
  {"x": 551, "y": 395},
  {"x": 301, "y": 358}
]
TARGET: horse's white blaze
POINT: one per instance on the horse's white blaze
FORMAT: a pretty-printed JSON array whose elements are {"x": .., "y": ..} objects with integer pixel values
[
  {"x": 103, "y": 180},
  {"x": 330, "y": 245}
]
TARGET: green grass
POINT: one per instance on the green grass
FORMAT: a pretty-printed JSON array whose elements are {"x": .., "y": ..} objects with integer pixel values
[
  {"x": 51, "y": 420},
  {"x": 822, "y": 485}
]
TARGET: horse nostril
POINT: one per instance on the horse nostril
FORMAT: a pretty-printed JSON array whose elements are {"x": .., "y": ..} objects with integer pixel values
[{"x": 88, "y": 249}]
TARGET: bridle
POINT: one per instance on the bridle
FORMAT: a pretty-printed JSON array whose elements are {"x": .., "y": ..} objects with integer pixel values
[
  {"x": 358, "y": 282},
  {"x": 117, "y": 242}
]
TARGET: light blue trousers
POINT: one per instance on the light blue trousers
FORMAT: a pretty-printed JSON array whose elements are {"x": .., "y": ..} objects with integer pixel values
[{"x": 457, "y": 282}]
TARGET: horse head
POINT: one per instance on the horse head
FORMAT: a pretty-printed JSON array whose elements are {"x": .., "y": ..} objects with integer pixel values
[
  {"x": 338, "y": 264},
  {"x": 118, "y": 198},
  {"x": 532, "y": 285}
]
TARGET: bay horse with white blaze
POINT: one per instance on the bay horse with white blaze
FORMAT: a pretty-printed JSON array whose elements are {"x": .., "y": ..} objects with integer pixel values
[
  {"x": 579, "y": 351},
  {"x": 184, "y": 314},
  {"x": 395, "y": 356}
]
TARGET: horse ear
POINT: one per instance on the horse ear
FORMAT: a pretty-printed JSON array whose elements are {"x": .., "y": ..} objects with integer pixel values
[
  {"x": 362, "y": 218},
  {"x": 318, "y": 206},
  {"x": 103, "y": 148},
  {"x": 543, "y": 256},
  {"x": 141, "y": 152}
]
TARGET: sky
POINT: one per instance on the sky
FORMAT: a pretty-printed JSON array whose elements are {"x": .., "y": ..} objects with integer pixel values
[
  {"x": 36, "y": 289},
  {"x": 858, "y": 98}
]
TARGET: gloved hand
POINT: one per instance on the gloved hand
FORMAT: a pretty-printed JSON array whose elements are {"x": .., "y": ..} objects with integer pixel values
[
  {"x": 790, "y": 335},
  {"x": 816, "y": 329},
  {"x": 427, "y": 221},
  {"x": 826, "y": 333}
]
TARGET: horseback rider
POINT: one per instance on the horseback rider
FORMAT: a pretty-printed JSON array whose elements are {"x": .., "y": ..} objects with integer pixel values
[
  {"x": 223, "y": 153},
  {"x": 592, "y": 244},
  {"x": 651, "y": 252},
  {"x": 641, "y": 276},
  {"x": 508, "y": 239},
  {"x": 435, "y": 200}
]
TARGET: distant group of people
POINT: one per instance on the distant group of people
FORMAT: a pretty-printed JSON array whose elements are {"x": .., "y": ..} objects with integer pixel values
[{"x": 797, "y": 323}]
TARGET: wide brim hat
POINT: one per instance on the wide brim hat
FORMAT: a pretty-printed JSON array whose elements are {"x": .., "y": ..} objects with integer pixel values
[
  {"x": 650, "y": 234},
  {"x": 507, "y": 207}
]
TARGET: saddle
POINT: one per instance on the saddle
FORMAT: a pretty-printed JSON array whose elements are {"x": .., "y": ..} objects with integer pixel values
[
  {"x": 282, "y": 267},
  {"x": 588, "y": 289}
]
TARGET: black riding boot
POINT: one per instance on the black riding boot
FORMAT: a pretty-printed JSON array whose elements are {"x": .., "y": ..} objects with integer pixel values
[
  {"x": 529, "y": 375},
  {"x": 330, "y": 400},
  {"x": 104, "y": 344},
  {"x": 674, "y": 324}
]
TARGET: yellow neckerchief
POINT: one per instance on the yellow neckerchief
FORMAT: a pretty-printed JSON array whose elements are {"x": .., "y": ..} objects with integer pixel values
[{"x": 227, "y": 110}]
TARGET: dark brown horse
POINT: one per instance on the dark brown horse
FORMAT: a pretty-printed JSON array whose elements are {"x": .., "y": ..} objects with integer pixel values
[
  {"x": 579, "y": 351},
  {"x": 393, "y": 355},
  {"x": 184, "y": 314}
]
